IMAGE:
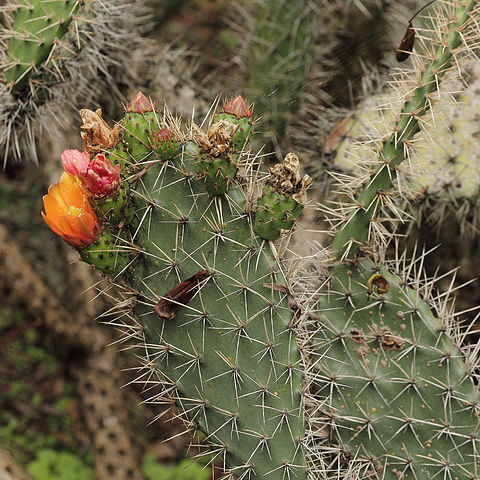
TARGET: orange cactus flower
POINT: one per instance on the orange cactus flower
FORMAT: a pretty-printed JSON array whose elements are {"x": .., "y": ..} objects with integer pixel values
[{"x": 69, "y": 214}]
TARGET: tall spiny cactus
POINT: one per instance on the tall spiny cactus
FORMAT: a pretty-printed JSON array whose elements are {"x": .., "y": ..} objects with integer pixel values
[
  {"x": 276, "y": 47},
  {"x": 52, "y": 54},
  {"x": 444, "y": 170},
  {"x": 396, "y": 391},
  {"x": 210, "y": 293}
]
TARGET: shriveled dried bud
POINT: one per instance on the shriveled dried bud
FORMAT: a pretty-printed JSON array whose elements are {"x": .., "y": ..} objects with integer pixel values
[
  {"x": 238, "y": 107},
  {"x": 140, "y": 104},
  {"x": 285, "y": 178},
  {"x": 217, "y": 139},
  {"x": 97, "y": 135}
]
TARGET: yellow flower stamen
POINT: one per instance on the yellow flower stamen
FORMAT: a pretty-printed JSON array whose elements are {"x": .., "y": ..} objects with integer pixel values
[{"x": 74, "y": 211}]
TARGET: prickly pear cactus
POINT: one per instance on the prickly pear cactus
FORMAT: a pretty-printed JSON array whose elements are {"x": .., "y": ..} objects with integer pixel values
[
  {"x": 391, "y": 380},
  {"x": 51, "y": 55},
  {"x": 400, "y": 395},
  {"x": 209, "y": 289},
  {"x": 392, "y": 391}
]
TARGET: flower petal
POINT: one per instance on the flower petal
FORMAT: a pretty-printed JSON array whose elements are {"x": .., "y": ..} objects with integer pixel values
[
  {"x": 72, "y": 225},
  {"x": 52, "y": 207},
  {"x": 90, "y": 223},
  {"x": 68, "y": 212},
  {"x": 51, "y": 224},
  {"x": 71, "y": 191}
]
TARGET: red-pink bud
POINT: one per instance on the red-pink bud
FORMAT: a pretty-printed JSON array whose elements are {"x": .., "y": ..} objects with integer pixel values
[
  {"x": 102, "y": 179},
  {"x": 140, "y": 104},
  {"x": 238, "y": 107},
  {"x": 164, "y": 134},
  {"x": 75, "y": 162}
]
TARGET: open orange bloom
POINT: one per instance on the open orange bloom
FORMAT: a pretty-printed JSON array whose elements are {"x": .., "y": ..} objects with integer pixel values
[{"x": 69, "y": 214}]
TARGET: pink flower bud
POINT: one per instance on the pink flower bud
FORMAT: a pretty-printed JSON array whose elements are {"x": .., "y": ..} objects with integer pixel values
[
  {"x": 238, "y": 107},
  {"x": 164, "y": 134},
  {"x": 102, "y": 179},
  {"x": 140, "y": 104},
  {"x": 75, "y": 162}
]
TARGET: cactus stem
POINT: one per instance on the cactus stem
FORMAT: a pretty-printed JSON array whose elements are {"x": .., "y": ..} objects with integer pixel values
[{"x": 356, "y": 229}]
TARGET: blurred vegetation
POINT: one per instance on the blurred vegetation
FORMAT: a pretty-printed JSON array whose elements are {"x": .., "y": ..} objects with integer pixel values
[
  {"x": 52, "y": 465},
  {"x": 37, "y": 403}
]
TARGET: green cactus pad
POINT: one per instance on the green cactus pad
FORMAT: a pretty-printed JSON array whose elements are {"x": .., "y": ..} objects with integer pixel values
[
  {"x": 399, "y": 392},
  {"x": 216, "y": 173},
  {"x": 119, "y": 155},
  {"x": 278, "y": 58},
  {"x": 230, "y": 351},
  {"x": 38, "y": 25},
  {"x": 275, "y": 212},
  {"x": 117, "y": 209},
  {"x": 106, "y": 255},
  {"x": 165, "y": 144},
  {"x": 137, "y": 130}
]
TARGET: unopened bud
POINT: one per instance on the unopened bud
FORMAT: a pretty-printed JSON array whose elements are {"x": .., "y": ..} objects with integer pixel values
[
  {"x": 165, "y": 143},
  {"x": 238, "y": 107},
  {"x": 102, "y": 179},
  {"x": 75, "y": 162},
  {"x": 140, "y": 104}
]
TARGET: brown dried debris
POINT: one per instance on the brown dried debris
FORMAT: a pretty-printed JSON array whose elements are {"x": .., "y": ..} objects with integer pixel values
[
  {"x": 389, "y": 341},
  {"x": 357, "y": 335},
  {"x": 96, "y": 133},
  {"x": 217, "y": 139},
  {"x": 285, "y": 178},
  {"x": 363, "y": 351},
  {"x": 380, "y": 282}
]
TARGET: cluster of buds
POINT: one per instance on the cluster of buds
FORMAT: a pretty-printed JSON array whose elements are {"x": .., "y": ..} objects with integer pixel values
[
  {"x": 90, "y": 179},
  {"x": 90, "y": 182},
  {"x": 68, "y": 207}
]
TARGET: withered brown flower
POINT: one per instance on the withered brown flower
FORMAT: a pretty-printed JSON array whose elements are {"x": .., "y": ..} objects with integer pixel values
[{"x": 96, "y": 133}]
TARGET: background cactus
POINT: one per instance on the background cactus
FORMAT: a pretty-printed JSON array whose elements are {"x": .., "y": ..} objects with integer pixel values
[
  {"x": 444, "y": 175},
  {"x": 53, "y": 54},
  {"x": 397, "y": 405},
  {"x": 277, "y": 39},
  {"x": 303, "y": 61}
]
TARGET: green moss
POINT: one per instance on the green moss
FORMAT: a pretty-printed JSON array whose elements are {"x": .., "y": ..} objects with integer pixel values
[
  {"x": 187, "y": 469},
  {"x": 52, "y": 465}
]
